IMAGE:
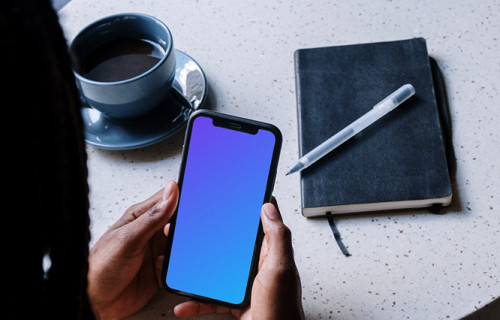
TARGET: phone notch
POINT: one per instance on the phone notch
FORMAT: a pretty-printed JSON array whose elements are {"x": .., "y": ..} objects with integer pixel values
[{"x": 235, "y": 125}]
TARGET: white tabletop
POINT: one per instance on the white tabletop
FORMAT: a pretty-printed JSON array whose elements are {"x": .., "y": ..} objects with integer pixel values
[{"x": 404, "y": 265}]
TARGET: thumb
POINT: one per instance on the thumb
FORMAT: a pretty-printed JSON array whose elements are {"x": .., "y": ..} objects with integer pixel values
[
  {"x": 147, "y": 223},
  {"x": 278, "y": 236}
]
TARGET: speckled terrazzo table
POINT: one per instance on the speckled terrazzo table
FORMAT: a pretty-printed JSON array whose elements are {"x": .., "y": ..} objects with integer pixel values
[{"x": 404, "y": 265}]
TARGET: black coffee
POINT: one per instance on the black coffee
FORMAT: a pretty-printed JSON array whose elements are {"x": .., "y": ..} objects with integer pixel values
[{"x": 121, "y": 59}]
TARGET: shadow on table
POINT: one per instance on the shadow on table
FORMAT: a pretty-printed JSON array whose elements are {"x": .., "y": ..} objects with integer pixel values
[
  {"x": 491, "y": 311},
  {"x": 59, "y": 4}
]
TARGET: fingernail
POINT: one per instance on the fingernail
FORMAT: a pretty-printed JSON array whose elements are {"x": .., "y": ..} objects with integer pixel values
[
  {"x": 270, "y": 211},
  {"x": 169, "y": 189},
  {"x": 163, "y": 204}
]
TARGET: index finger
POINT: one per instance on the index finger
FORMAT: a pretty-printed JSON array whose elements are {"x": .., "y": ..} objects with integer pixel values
[
  {"x": 138, "y": 209},
  {"x": 194, "y": 309}
]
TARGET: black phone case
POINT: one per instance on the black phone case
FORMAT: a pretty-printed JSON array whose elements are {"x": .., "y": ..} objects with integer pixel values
[{"x": 239, "y": 124}]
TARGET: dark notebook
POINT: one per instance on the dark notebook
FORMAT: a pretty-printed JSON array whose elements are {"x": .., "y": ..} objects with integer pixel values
[{"x": 398, "y": 162}]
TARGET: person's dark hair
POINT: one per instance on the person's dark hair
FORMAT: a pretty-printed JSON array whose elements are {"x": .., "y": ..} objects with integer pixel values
[{"x": 46, "y": 204}]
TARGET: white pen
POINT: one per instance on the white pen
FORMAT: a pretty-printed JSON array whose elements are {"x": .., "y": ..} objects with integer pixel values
[{"x": 379, "y": 110}]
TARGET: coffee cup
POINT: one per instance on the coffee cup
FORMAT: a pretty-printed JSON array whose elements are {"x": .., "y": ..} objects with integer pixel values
[{"x": 124, "y": 64}]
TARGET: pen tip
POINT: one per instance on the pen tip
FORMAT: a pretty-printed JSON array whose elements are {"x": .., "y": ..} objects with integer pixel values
[
  {"x": 287, "y": 173},
  {"x": 297, "y": 167}
]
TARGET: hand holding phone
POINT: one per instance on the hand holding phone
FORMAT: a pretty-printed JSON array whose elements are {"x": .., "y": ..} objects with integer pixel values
[
  {"x": 276, "y": 291},
  {"x": 227, "y": 173},
  {"x": 123, "y": 259}
]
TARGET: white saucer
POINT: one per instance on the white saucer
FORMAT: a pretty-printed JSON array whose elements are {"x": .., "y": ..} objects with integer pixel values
[{"x": 188, "y": 93}]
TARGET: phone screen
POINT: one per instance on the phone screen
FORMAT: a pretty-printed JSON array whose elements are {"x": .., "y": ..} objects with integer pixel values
[{"x": 223, "y": 188}]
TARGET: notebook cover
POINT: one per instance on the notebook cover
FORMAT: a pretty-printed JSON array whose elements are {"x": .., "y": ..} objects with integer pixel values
[{"x": 397, "y": 160}]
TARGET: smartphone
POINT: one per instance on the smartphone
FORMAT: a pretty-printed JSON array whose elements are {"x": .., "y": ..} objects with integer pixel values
[{"x": 227, "y": 173}]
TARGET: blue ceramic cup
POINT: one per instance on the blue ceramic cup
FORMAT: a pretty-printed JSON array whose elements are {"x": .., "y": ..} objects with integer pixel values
[{"x": 138, "y": 94}]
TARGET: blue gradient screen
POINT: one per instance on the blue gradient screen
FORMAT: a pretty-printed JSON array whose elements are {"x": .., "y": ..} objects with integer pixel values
[{"x": 223, "y": 189}]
